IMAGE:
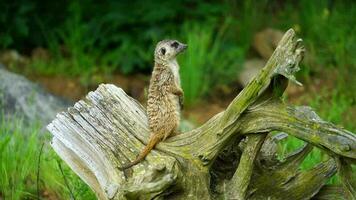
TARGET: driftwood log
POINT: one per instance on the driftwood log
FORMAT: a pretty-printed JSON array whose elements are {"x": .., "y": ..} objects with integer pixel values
[{"x": 222, "y": 159}]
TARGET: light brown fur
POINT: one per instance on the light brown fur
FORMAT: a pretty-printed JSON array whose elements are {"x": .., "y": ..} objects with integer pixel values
[{"x": 164, "y": 96}]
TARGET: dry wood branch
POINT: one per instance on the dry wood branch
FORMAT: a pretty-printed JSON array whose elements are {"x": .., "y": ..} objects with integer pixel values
[
  {"x": 303, "y": 123},
  {"x": 346, "y": 175},
  {"x": 281, "y": 184},
  {"x": 206, "y": 142},
  {"x": 241, "y": 179},
  {"x": 330, "y": 192},
  {"x": 108, "y": 128}
]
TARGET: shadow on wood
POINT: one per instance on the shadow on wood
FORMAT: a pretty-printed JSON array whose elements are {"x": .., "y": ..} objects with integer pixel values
[{"x": 220, "y": 159}]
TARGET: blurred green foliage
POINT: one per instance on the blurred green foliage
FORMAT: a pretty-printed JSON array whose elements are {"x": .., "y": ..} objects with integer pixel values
[
  {"x": 116, "y": 33},
  {"x": 87, "y": 37},
  {"x": 202, "y": 66}
]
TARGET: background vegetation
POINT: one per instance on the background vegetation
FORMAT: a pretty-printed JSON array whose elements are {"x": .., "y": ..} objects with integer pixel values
[{"x": 86, "y": 38}]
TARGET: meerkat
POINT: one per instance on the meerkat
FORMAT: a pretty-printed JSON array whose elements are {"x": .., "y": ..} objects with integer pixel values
[{"x": 164, "y": 96}]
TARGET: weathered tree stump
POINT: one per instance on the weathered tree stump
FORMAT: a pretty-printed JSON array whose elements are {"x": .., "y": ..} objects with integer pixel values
[{"x": 220, "y": 159}]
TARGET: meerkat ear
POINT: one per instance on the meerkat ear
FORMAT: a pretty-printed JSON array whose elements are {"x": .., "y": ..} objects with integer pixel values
[{"x": 163, "y": 51}]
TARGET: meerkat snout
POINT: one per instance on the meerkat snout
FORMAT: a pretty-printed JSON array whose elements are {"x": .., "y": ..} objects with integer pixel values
[{"x": 180, "y": 47}]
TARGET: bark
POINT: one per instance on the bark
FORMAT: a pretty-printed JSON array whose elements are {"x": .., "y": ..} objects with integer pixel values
[
  {"x": 241, "y": 179},
  {"x": 108, "y": 129}
]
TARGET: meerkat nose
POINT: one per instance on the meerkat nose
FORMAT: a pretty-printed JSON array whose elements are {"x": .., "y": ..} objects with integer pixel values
[{"x": 182, "y": 47}]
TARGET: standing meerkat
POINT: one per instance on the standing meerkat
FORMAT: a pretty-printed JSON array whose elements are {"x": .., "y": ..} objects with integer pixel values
[{"x": 164, "y": 96}]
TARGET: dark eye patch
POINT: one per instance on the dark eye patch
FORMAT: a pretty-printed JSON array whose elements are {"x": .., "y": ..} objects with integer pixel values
[
  {"x": 175, "y": 45},
  {"x": 163, "y": 51}
]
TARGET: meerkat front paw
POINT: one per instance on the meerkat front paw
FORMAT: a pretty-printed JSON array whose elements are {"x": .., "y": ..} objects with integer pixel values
[
  {"x": 177, "y": 91},
  {"x": 181, "y": 101}
]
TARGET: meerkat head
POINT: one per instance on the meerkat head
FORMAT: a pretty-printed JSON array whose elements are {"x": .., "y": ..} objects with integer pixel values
[{"x": 167, "y": 50}]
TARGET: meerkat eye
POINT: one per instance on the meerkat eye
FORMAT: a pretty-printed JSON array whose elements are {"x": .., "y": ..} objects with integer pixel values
[
  {"x": 175, "y": 44},
  {"x": 163, "y": 51}
]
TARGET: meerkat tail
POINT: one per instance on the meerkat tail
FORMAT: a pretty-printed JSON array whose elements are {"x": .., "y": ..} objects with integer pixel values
[{"x": 151, "y": 144}]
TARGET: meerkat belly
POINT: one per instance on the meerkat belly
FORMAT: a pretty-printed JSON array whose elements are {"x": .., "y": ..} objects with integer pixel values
[
  {"x": 175, "y": 70},
  {"x": 171, "y": 109},
  {"x": 176, "y": 107},
  {"x": 162, "y": 113}
]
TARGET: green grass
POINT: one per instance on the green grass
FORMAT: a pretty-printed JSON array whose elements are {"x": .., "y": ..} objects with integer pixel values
[
  {"x": 19, "y": 154},
  {"x": 209, "y": 61}
]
